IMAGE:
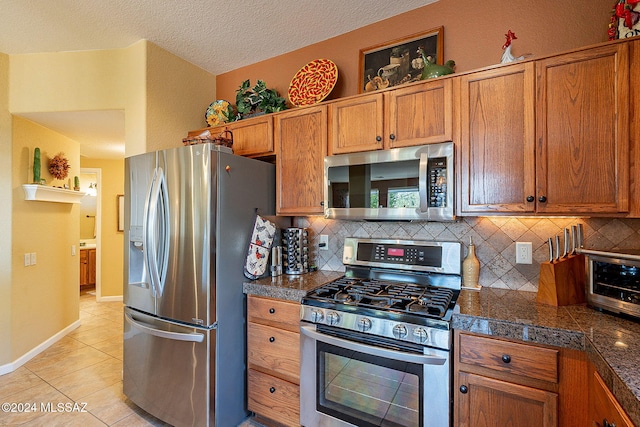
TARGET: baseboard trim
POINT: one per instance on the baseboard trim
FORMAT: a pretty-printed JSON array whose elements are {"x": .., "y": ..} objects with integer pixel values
[
  {"x": 110, "y": 299},
  {"x": 10, "y": 367}
]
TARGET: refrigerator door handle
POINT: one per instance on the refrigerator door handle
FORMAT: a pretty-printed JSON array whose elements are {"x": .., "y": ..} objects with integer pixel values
[
  {"x": 156, "y": 233},
  {"x": 176, "y": 336}
]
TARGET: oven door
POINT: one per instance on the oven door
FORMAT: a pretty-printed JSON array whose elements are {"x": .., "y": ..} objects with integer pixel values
[{"x": 347, "y": 382}]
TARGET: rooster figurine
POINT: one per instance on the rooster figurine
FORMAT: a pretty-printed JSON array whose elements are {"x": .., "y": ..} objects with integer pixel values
[
  {"x": 506, "y": 55},
  {"x": 431, "y": 69}
]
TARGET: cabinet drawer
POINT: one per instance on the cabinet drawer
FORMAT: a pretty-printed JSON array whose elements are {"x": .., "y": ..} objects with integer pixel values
[
  {"x": 274, "y": 398},
  {"x": 274, "y": 351},
  {"x": 270, "y": 311},
  {"x": 510, "y": 358}
]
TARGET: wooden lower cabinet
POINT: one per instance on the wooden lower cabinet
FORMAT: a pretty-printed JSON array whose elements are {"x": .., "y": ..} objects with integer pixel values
[
  {"x": 273, "y": 359},
  {"x": 604, "y": 409},
  {"x": 87, "y": 267},
  {"x": 492, "y": 402},
  {"x": 505, "y": 383}
]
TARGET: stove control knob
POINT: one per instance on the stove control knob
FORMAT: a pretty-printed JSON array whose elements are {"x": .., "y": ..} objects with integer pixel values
[
  {"x": 400, "y": 331},
  {"x": 420, "y": 335},
  {"x": 333, "y": 318},
  {"x": 364, "y": 324},
  {"x": 317, "y": 316}
]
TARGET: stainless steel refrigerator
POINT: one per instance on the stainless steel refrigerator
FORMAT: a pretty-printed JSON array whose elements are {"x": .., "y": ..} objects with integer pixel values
[{"x": 189, "y": 214}]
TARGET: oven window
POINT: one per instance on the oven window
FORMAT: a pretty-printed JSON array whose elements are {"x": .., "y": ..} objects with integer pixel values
[{"x": 367, "y": 390}]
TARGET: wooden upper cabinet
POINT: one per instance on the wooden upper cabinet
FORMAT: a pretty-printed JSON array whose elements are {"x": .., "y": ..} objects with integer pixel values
[
  {"x": 419, "y": 114},
  {"x": 252, "y": 137},
  {"x": 497, "y": 140},
  {"x": 582, "y": 131},
  {"x": 407, "y": 116},
  {"x": 356, "y": 124},
  {"x": 301, "y": 145}
]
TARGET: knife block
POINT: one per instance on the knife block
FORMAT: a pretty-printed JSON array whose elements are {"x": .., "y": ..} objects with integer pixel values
[{"x": 562, "y": 282}]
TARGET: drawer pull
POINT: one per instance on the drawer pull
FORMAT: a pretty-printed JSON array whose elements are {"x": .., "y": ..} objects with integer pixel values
[
  {"x": 606, "y": 423},
  {"x": 272, "y": 390},
  {"x": 272, "y": 310},
  {"x": 506, "y": 358},
  {"x": 272, "y": 339},
  {"x": 463, "y": 389}
]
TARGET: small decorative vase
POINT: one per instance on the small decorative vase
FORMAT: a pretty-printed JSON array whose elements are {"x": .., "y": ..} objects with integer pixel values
[{"x": 471, "y": 268}]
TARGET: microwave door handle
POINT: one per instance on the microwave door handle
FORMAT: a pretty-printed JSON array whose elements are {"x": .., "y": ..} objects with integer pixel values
[
  {"x": 422, "y": 182},
  {"x": 374, "y": 351}
]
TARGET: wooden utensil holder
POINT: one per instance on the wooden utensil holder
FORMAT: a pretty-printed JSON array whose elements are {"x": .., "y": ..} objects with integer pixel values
[{"x": 562, "y": 282}]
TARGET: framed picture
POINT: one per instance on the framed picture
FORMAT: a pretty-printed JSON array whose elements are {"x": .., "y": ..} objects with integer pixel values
[
  {"x": 120, "y": 212},
  {"x": 398, "y": 62}
]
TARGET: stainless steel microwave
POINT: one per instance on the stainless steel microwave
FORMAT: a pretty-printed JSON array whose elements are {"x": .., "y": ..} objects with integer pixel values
[
  {"x": 613, "y": 280},
  {"x": 401, "y": 184}
]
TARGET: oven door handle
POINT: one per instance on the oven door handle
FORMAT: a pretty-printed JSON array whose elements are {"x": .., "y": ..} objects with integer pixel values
[{"x": 421, "y": 359}]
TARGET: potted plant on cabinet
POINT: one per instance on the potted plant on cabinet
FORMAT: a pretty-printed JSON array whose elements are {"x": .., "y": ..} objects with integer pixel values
[{"x": 253, "y": 101}]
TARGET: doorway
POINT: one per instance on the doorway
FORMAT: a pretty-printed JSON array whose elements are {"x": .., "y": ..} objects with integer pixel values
[{"x": 90, "y": 231}]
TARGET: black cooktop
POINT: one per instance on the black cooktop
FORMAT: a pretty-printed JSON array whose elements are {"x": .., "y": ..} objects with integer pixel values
[{"x": 371, "y": 296}]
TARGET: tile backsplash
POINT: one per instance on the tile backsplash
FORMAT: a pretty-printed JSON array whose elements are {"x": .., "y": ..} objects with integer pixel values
[{"x": 495, "y": 239}]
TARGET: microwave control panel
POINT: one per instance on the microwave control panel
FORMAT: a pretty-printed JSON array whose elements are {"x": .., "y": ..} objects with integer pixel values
[{"x": 437, "y": 178}]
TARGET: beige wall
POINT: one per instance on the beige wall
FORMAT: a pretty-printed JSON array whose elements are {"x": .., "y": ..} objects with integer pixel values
[
  {"x": 178, "y": 94},
  {"x": 5, "y": 213},
  {"x": 111, "y": 240},
  {"x": 473, "y": 37},
  {"x": 44, "y": 297}
]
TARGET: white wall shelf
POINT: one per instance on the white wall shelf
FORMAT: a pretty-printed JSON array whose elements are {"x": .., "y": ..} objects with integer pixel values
[{"x": 51, "y": 194}]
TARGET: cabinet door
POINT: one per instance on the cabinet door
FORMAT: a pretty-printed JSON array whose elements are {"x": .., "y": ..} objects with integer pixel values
[
  {"x": 91, "y": 267},
  {"x": 497, "y": 140},
  {"x": 583, "y": 131},
  {"x": 301, "y": 145},
  {"x": 84, "y": 267},
  {"x": 356, "y": 124},
  {"x": 251, "y": 137},
  {"x": 604, "y": 409},
  {"x": 419, "y": 114},
  {"x": 273, "y": 398},
  {"x": 483, "y": 401}
]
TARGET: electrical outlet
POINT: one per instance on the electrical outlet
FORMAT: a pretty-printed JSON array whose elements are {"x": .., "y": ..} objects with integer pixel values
[
  {"x": 324, "y": 242},
  {"x": 524, "y": 253},
  {"x": 27, "y": 260}
]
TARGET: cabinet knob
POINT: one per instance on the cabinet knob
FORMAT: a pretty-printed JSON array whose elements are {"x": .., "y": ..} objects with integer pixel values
[
  {"x": 606, "y": 423},
  {"x": 272, "y": 339},
  {"x": 272, "y": 390},
  {"x": 542, "y": 199},
  {"x": 392, "y": 137},
  {"x": 378, "y": 138},
  {"x": 506, "y": 358},
  {"x": 530, "y": 199},
  {"x": 272, "y": 310},
  {"x": 322, "y": 203},
  {"x": 463, "y": 389}
]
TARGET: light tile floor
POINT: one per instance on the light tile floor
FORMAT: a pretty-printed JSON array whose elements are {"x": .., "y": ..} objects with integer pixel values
[{"x": 80, "y": 376}]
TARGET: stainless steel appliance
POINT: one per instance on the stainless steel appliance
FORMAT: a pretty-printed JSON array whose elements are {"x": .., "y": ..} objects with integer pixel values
[
  {"x": 375, "y": 344},
  {"x": 189, "y": 213},
  {"x": 295, "y": 250},
  {"x": 613, "y": 280},
  {"x": 413, "y": 183}
]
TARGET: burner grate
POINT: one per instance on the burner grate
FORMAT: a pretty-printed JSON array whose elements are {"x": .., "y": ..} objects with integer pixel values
[{"x": 423, "y": 300}]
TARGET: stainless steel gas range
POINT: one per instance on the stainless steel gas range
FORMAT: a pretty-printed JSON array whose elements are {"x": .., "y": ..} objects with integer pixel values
[{"x": 375, "y": 344}]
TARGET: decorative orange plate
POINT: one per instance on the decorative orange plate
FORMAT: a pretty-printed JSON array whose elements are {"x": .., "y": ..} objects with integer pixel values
[{"x": 313, "y": 82}]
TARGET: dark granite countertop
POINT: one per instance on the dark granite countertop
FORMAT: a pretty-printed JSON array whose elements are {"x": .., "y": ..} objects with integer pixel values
[{"x": 612, "y": 342}]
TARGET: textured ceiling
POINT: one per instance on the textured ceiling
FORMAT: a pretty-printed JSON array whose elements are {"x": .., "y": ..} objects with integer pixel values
[{"x": 216, "y": 36}]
